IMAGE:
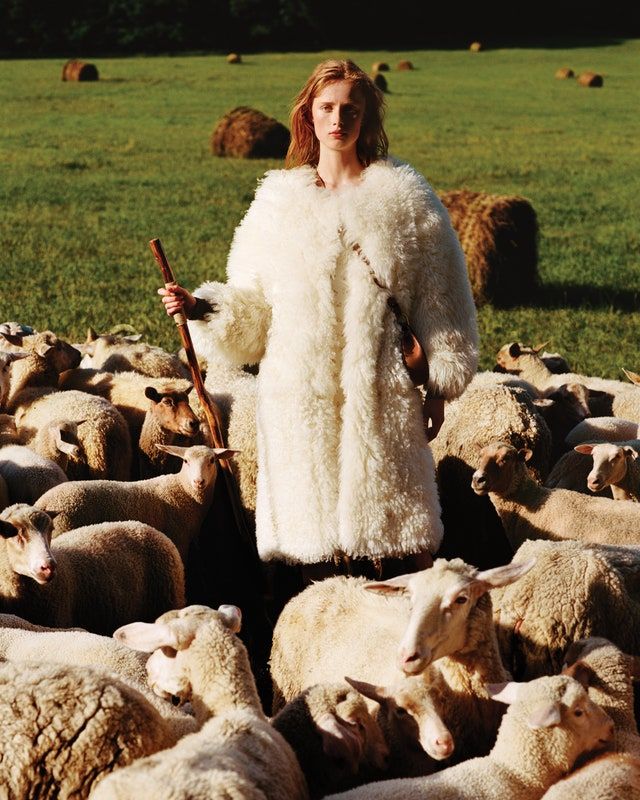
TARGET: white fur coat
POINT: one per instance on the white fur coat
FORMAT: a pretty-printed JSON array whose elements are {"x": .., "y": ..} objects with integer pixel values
[{"x": 343, "y": 462}]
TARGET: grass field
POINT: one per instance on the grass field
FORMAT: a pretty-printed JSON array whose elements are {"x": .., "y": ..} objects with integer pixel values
[{"x": 90, "y": 172}]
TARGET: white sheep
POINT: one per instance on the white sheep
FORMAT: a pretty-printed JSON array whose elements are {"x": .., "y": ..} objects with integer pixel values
[
  {"x": 21, "y": 640},
  {"x": 531, "y": 511},
  {"x": 603, "y": 429},
  {"x": 477, "y": 417},
  {"x": 113, "y": 353},
  {"x": 64, "y": 728},
  {"x": 175, "y": 504},
  {"x": 35, "y": 400},
  {"x": 6, "y": 359},
  {"x": 237, "y": 753},
  {"x": 606, "y": 397},
  {"x": 570, "y": 472},
  {"x": 608, "y": 673},
  {"x": 344, "y": 626},
  {"x": 549, "y": 724},
  {"x": 27, "y": 474},
  {"x": 337, "y": 742},
  {"x": 574, "y": 590},
  {"x": 614, "y": 465},
  {"x": 612, "y": 776},
  {"x": 96, "y": 577}
]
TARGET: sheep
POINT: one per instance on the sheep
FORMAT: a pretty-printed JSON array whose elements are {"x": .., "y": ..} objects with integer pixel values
[
  {"x": 112, "y": 353},
  {"x": 27, "y": 474},
  {"x": 549, "y": 724},
  {"x": 236, "y": 753},
  {"x": 96, "y": 577},
  {"x": 21, "y": 640},
  {"x": 8, "y": 430},
  {"x": 612, "y": 776},
  {"x": 575, "y": 590},
  {"x": 175, "y": 504},
  {"x": 614, "y": 465},
  {"x": 36, "y": 401},
  {"x": 603, "y": 429},
  {"x": 605, "y": 396},
  {"x": 58, "y": 441},
  {"x": 445, "y": 613},
  {"x": 6, "y": 359},
  {"x": 531, "y": 511},
  {"x": 124, "y": 390},
  {"x": 570, "y": 472},
  {"x": 562, "y": 409},
  {"x": 169, "y": 420},
  {"x": 64, "y": 728},
  {"x": 337, "y": 742},
  {"x": 478, "y": 416},
  {"x": 607, "y": 672}
]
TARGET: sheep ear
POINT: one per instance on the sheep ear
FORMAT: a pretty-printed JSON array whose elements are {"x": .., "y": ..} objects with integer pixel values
[
  {"x": 514, "y": 350},
  {"x": 339, "y": 740},
  {"x": 525, "y": 454},
  {"x": 7, "y": 423},
  {"x": 7, "y": 530},
  {"x": 17, "y": 356},
  {"x": 50, "y": 514},
  {"x": 231, "y": 617},
  {"x": 376, "y": 693},
  {"x": 543, "y": 402},
  {"x": 224, "y": 452},
  {"x": 91, "y": 335},
  {"x": 504, "y": 692},
  {"x": 173, "y": 450},
  {"x": 395, "y": 585},
  {"x": 539, "y": 347},
  {"x": 147, "y": 636},
  {"x": 580, "y": 672},
  {"x": 502, "y": 576},
  {"x": 585, "y": 449},
  {"x": 633, "y": 376},
  {"x": 629, "y": 451},
  {"x": 132, "y": 338},
  {"x": 151, "y": 393},
  {"x": 545, "y": 717},
  {"x": 42, "y": 349}
]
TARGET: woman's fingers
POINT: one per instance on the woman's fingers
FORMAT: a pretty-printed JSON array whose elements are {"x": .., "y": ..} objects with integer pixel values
[{"x": 175, "y": 298}]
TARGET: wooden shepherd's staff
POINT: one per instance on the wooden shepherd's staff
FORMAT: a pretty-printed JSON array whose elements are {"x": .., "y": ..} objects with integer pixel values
[{"x": 210, "y": 411}]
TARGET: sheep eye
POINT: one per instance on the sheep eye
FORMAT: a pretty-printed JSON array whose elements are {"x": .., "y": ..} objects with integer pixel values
[
  {"x": 461, "y": 599},
  {"x": 400, "y": 711},
  {"x": 578, "y": 712}
]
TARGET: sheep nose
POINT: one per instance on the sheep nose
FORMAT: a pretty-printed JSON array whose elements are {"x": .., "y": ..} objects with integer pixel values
[
  {"x": 479, "y": 480},
  {"x": 46, "y": 571},
  {"x": 194, "y": 424},
  {"x": 444, "y": 746},
  {"x": 409, "y": 662},
  {"x": 198, "y": 483}
]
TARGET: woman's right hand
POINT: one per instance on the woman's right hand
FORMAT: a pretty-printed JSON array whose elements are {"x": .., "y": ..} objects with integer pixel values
[{"x": 176, "y": 299}]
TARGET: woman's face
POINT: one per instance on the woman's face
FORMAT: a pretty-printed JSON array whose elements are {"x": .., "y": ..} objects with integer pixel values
[{"x": 337, "y": 111}]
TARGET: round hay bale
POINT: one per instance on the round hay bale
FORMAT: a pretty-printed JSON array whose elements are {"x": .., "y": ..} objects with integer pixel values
[
  {"x": 498, "y": 234},
  {"x": 591, "y": 79},
  {"x": 247, "y": 133},
  {"x": 75, "y": 70},
  {"x": 379, "y": 66},
  {"x": 380, "y": 81},
  {"x": 565, "y": 72},
  {"x": 405, "y": 65},
  {"x": 476, "y": 47},
  {"x": 234, "y": 58}
]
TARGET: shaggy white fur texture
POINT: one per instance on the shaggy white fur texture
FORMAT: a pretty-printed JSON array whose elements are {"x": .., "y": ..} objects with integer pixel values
[{"x": 343, "y": 463}]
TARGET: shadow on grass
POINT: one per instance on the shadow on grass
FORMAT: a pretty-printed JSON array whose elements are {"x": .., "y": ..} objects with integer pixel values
[{"x": 577, "y": 295}]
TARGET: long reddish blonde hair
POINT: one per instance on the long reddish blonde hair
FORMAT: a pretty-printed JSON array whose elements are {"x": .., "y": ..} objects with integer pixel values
[{"x": 372, "y": 142}]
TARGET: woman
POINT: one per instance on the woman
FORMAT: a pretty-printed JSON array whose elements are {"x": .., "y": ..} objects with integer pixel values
[{"x": 345, "y": 474}]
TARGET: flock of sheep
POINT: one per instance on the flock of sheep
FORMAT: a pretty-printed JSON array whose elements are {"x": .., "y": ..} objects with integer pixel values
[{"x": 112, "y": 687}]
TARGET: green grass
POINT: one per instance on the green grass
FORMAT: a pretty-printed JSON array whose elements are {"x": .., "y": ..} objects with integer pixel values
[{"x": 90, "y": 172}]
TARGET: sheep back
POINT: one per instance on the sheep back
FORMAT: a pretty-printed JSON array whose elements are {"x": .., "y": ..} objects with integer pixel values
[
  {"x": 64, "y": 728},
  {"x": 574, "y": 591}
]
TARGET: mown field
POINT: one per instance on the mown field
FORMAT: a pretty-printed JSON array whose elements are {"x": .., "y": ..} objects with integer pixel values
[{"x": 91, "y": 171}]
